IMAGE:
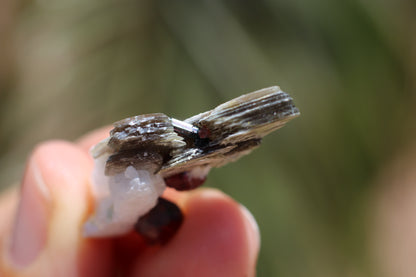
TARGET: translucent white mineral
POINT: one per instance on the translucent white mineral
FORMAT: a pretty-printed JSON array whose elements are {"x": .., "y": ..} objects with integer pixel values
[{"x": 121, "y": 199}]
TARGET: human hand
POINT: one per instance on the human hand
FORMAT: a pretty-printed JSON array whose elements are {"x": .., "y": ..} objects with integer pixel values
[{"x": 41, "y": 226}]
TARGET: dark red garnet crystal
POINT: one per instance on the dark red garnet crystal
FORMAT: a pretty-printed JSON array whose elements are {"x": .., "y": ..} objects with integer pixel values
[
  {"x": 184, "y": 181},
  {"x": 160, "y": 223},
  {"x": 204, "y": 132}
]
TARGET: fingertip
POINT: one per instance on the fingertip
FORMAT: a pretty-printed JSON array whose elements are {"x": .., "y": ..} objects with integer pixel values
[
  {"x": 54, "y": 201},
  {"x": 90, "y": 139},
  {"x": 8, "y": 204},
  {"x": 229, "y": 227},
  {"x": 253, "y": 230},
  {"x": 178, "y": 197},
  {"x": 62, "y": 172},
  {"x": 216, "y": 239},
  {"x": 66, "y": 170},
  {"x": 62, "y": 162}
]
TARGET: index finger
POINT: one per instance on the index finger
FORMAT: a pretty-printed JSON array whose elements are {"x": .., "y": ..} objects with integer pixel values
[{"x": 90, "y": 139}]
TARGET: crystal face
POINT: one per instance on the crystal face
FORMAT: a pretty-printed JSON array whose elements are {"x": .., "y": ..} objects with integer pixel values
[{"x": 145, "y": 153}]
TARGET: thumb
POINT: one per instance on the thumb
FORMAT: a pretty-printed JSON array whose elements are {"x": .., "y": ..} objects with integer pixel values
[{"x": 46, "y": 238}]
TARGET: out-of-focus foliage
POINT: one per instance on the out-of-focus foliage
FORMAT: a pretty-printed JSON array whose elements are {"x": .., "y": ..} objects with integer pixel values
[{"x": 71, "y": 66}]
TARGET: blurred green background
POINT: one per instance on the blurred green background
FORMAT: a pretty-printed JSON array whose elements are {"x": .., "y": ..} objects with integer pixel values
[{"x": 67, "y": 67}]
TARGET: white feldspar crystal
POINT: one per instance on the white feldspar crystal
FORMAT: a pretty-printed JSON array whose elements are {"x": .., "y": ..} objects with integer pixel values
[{"x": 121, "y": 199}]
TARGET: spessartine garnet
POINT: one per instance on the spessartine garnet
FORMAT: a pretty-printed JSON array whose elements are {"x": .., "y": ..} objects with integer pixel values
[{"x": 160, "y": 223}]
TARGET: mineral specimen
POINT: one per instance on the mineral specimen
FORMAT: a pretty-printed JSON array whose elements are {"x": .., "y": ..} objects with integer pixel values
[{"x": 146, "y": 153}]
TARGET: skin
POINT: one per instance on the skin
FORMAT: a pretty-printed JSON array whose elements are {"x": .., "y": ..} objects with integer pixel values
[
  {"x": 392, "y": 217},
  {"x": 41, "y": 226}
]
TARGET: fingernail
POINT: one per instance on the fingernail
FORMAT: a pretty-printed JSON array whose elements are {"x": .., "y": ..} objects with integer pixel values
[
  {"x": 254, "y": 228},
  {"x": 30, "y": 227}
]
